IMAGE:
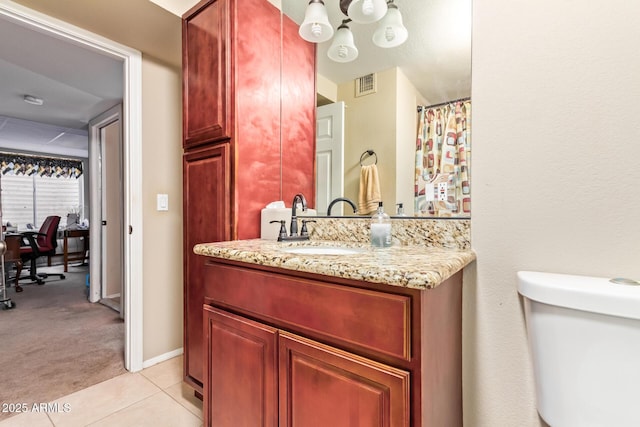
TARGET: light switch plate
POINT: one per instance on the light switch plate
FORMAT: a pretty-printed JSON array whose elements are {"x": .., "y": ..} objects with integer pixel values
[{"x": 163, "y": 202}]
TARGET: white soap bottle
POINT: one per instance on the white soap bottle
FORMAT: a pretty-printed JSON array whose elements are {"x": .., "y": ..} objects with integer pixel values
[{"x": 380, "y": 228}]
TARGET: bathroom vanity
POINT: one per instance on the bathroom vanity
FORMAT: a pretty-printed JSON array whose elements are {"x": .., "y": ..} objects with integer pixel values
[{"x": 370, "y": 338}]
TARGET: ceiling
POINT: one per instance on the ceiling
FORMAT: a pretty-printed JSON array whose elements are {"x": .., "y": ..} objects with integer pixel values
[{"x": 76, "y": 83}]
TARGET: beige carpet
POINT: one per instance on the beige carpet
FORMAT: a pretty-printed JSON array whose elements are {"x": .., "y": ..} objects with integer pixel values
[{"x": 55, "y": 342}]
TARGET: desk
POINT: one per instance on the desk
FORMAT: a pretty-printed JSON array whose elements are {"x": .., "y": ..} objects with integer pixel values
[
  {"x": 79, "y": 255},
  {"x": 13, "y": 242}
]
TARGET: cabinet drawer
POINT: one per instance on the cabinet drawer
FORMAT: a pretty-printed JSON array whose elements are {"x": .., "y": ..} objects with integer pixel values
[{"x": 360, "y": 318}]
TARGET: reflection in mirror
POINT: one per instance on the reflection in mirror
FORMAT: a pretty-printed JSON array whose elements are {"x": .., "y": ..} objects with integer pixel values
[{"x": 371, "y": 103}]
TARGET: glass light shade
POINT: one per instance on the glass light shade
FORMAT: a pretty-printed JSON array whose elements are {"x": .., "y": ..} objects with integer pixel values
[
  {"x": 391, "y": 32},
  {"x": 366, "y": 11},
  {"x": 316, "y": 27},
  {"x": 343, "y": 49}
]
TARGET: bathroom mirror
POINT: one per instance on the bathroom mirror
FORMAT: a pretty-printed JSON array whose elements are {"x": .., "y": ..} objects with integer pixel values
[{"x": 432, "y": 67}]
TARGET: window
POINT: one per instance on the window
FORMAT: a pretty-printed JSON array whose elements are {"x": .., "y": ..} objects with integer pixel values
[{"x": 30, "y": 199}]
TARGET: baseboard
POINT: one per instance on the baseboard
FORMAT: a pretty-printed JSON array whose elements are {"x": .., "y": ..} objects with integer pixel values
[
  {"x": 111, "y": 304},
  {"x": 162, "y": 357}
]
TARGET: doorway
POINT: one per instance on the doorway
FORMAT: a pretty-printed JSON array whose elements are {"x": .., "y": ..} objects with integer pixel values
[
  {"x": 329, "y": 156},
  {"x": 132, "y": 163},
  {"x": 105, "y": 144}
]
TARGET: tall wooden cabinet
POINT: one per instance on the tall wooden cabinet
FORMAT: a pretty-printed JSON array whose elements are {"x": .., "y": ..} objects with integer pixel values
[{"x": 248, "y": 133}]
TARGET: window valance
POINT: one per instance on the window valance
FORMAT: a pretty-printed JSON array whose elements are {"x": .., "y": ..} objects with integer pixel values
[{"x": 26, "y": 164}]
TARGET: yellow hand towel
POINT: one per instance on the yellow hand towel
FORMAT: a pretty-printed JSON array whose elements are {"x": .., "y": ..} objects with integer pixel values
[{"x": 369, "y": 190}]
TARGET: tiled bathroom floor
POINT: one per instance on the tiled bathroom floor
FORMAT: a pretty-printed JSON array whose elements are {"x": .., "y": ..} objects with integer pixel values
[{"x": 154, "y": 397}]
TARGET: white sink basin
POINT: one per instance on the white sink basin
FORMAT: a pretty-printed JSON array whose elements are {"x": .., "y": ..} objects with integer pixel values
[{"x": 322, "y": 250}]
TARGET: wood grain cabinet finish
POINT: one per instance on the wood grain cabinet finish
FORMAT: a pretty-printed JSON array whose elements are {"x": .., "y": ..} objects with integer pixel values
[
  {"x": 242, "y": 365},
  {"x": 206, "y": 203},
  {"x": 257, "y": 375},
  {"x": 361, "y": 319},
  {"x": 332, "y": 369},
  {"x": 234, "y": 78},
  {"x": 324, "y": 386},
  {"x": 206, "y": 74}
]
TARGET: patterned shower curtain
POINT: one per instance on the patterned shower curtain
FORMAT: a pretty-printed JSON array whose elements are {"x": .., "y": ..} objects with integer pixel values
[{"x": 443, "y": 160}]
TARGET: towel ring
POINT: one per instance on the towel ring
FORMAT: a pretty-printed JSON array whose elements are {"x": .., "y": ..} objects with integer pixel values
[{"x": 368, "y": 153}]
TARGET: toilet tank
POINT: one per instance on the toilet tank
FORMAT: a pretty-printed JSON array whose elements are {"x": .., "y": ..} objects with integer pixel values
[{"x": 584, "y": 340}]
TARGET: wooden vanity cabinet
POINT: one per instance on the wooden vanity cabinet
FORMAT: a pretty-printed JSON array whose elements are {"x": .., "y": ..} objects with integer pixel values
[
  {"x": 285, "y": 348},
  {"x": 243, "y": 147},
  {"x": 263, "y": 376}
]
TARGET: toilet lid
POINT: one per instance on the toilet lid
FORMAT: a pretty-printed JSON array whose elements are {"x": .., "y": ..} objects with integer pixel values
[{"x": 593, "y": 294}]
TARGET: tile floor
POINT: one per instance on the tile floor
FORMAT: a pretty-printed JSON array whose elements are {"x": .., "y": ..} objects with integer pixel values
[{"x": 154, "y": 397}]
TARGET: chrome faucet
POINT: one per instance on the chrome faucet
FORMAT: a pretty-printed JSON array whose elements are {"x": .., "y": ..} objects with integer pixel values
[
  {"x": 341, "y": 199},
  {"x": 293, "y": 229}
]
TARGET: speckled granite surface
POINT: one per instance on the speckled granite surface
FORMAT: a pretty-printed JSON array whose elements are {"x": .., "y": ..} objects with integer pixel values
[
  {"x": 418, "y": 267},
  {"x": 444, "y": 233}
]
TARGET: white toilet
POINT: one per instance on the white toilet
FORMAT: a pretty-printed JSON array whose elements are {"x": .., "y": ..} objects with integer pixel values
[{"x": 584, "y": 338}]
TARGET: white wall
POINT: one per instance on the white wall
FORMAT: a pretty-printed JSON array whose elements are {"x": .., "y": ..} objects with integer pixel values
[
  {"x": 386, "y": 122},
  {"x": 556, "y": 146},
  {"x": 406, "y": 131},
  {"x": 162, "y": 166},
  {"x": 326, "y": 88},
  {"x": 370, "y": 124}
]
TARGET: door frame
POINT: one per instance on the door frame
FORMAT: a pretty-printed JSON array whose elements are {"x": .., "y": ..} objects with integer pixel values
[
  {"x": 335, "y": 111},
  {"x": 132, "y": 160},
  {"x": 96, "y": 182}
]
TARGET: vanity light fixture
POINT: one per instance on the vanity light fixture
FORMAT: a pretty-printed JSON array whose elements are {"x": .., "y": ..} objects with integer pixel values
[
  {"x": 316, "y": 27},
  {"x": 366, "y": 11},
  {"x": 34, "y": 100},
  {"x": 391, "y": 32},
  {"x": 343, "y": 49}
]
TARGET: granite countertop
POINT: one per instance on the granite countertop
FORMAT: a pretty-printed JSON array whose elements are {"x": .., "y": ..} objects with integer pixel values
[{"x": 416, "y": 267}]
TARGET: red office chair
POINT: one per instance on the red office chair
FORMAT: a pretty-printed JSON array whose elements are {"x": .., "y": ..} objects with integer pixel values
[{"x": 39, "y": 244}]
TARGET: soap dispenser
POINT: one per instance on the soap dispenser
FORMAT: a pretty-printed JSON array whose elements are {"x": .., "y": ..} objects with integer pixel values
[
  {"x": 380, "y": 228},
  {"x": 400, "y": 210}
]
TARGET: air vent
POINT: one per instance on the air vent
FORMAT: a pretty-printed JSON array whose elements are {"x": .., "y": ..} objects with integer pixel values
[{"x": 366, "y": 85}]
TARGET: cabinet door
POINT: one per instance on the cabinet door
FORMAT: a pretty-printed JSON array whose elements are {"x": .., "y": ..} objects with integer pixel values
[
  {"x": 324, "y": 386},
  {"x": 206, "y": 206},
  {"x": 241, "y": 387},
  {"x": 206, "y": 74}
]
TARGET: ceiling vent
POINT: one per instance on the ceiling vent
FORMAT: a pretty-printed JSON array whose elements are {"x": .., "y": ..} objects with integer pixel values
[{"x": 366, "y": 85}]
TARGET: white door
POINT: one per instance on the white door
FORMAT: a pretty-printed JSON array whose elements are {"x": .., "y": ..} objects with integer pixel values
[
  {"x": 330, "y": 157},
  {"x": 107, "y": 213},
  {"x": 112, "y": 216}
]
